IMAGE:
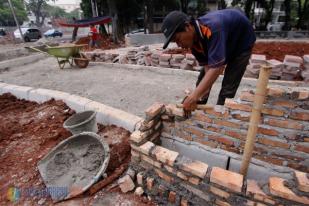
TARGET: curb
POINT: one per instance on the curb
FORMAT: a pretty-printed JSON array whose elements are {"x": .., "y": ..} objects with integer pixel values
[
  {"x": 4, "y": 65},
  {"x": 105, "y": 114},
  {"x": 181, "y": 72}
]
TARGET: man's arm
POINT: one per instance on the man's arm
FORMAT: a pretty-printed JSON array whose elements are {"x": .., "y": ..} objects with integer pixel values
[{"x": 210, "y": 77}]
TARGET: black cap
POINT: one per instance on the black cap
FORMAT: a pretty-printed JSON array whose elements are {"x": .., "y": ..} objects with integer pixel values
[{"x": 171, "y": 23}]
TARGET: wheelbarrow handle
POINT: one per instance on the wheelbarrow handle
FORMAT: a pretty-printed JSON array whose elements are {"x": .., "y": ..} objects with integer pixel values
[{"x": 37, "y": 50}]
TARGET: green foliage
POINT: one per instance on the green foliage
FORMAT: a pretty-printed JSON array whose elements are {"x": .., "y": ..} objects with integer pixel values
[{"x": 6, "y": 16}]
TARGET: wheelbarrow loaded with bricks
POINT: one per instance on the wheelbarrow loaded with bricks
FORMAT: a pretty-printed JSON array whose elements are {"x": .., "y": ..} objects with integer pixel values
[{"x": 66, "y": 53}]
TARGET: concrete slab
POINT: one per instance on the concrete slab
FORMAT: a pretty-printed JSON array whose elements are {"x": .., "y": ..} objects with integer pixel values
[{"x": 18, "y": 91}]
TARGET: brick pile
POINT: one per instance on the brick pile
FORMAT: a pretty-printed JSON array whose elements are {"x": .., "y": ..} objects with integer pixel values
[
  {"x": 305, "y": 72},
  {"x": 289, "y": 69},
  {"x": 171, "y": 178}
]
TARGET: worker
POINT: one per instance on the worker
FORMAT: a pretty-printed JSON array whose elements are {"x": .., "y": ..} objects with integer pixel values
[
  {"x": 219, "y": 40},
  {"x": 93, "y": 36}
]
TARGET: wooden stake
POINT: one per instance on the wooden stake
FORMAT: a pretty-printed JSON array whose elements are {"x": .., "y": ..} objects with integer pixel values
[{"x": 259, "y": 98}]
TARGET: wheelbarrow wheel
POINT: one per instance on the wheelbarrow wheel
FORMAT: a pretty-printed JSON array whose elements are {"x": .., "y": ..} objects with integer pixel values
[{"x": 81, "y": 62}]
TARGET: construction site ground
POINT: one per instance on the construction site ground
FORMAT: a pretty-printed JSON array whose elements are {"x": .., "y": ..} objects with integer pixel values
[
  {"x": 28, "y": 131},
  {"x": 131, "y": 90}
]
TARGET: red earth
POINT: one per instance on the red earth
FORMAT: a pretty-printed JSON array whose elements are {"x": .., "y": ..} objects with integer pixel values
[{"x": 28, "y": 131}]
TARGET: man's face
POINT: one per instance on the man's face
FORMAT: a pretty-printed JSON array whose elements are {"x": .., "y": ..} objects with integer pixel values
[{"x": 185, "y": 38}]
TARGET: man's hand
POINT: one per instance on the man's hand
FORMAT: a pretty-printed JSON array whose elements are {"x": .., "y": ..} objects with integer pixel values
[{"x": 189, "y": 104}]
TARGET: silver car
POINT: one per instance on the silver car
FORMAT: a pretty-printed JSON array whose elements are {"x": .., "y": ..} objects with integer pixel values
[{"x": 28, "y": 34}]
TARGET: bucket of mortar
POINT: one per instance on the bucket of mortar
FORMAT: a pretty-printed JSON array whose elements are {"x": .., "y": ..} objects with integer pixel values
[
  {"x": 74, "y": 165},
  {"x": 82, "y": 122}
]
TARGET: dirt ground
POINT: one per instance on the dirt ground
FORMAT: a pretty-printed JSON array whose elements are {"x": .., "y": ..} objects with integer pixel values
[
  {"x": 272, "y": 50},
  {"x": 28, "y": 131}
]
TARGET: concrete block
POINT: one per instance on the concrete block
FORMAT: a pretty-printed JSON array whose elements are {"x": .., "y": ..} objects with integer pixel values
[
  {"x": 42, "y": 95},
  {"x": 77, "y": 103},
  {"x": 292, "y": 58},
  {"x": 306, "y": 58},
  {"x": 18, "y": 91},
  {"x": 126, "y": 184}
]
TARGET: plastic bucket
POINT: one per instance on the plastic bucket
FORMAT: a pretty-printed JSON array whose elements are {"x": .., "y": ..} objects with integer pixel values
[{"x": 82, "y": 122}]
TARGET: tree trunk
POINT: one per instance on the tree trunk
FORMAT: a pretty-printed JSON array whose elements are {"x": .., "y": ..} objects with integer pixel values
[
  {"x": 184, "y": 5},
  {"x": 114, "y": 14},
  {"x": 299, "y": 13},
  {"x": 269, "y": 11},
  {"x": 150, "y": 15},
  {"x": 287, "y": 4}
]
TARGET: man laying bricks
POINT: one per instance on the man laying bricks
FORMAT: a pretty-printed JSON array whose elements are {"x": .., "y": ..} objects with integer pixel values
[{"x": 217, "y": 39}]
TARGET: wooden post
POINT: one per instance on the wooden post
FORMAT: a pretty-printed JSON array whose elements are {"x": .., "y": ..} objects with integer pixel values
[{"x": 259, "y": 98}]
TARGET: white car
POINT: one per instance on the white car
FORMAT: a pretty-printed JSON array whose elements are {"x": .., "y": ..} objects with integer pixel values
[{"x": 28, "y": 34}]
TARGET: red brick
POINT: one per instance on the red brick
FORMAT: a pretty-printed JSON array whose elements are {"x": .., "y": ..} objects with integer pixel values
[
  {"x": 274, "y": 112},
  {"x": 145, "y": 148},
  {"x": 275, "y": 92},
  {"x": 243, "y": 116},
  {"x": 254, "y": 190},
  {"x": 151, "y": 161},
  {"x": 277, "y": 188},
  {"x": 289, "y": 124},
  {"x": 207, "y": 143},
  {"x": 213, "y": 129},
  {"x": 219, "y": 192},
  {"x": 247, "y": 96},
  {"x": 300, "y": 114},
  {"x": 302, "y": 181},
  {"x": 181, "y": 175},
  {"x": 221, "y": 140},
  {"x": 300, "y": 95},
  {"x": 302, "y": 148},
  {"x": 164, "y": 176},
  {"x": 284, "y": 103},
  {"x": 154, "y": 110},
  {"x": 218, "y": 111},
  {"x": 196, "y": 167},
  {"x": 227, "y": 123},
  {"x": 164, "y": 155},
  {"x": 267, "y": 131},
  {"x": 194, "y": 180},
  {"x": 201, "y": 116},
  {"x": 172, "y": 197},
  {"x": 221, "y": 203},
  {"x": 272, "y": 160},
  {"x": 183, "y": 135},
  {"x": 229, "y": 103},
  {"x": 194, "y": 131},
  {"x": 150, "y": 183},
  {"x": 237, "y": 135},
  {"x": 171, "y": 109},
  {"x": 228, "y": 179}
]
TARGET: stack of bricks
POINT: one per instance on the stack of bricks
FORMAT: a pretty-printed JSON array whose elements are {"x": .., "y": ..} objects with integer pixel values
[
  {"x": 188, "y": 63},
  {"x": 305, "y": 71},
  {"x": 277, "y": 68},
  {"x": 164, "y": 60},
  {"x": 155, "y": 59},
  {"x": 255, "y": 63},
  {"x": 171, "y": 178},
  {"x": 282, "y": 132},
  {"x": 149, "y": 129},
  {"x": 176, "y": 60},
  {"x": 100, "y": 56},
  {"x": 292, "y": 67}
]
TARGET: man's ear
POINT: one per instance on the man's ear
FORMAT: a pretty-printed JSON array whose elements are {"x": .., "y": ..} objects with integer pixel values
[{"x": 188, "y": 26}]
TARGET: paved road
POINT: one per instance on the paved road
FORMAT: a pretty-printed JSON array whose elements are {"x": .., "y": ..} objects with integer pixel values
[{"x": 131, "y": 90}]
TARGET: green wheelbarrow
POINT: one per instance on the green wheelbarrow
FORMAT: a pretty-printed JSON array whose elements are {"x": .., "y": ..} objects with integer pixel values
[{"x": 67, "y": 53}]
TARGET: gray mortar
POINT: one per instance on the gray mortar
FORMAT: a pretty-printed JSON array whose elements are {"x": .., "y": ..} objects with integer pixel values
[
  {"x": 74, "y": 165},
  {"x": 258, "y": 170}
]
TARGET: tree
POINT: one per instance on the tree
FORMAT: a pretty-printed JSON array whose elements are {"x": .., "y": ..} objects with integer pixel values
[
  {"x": 55, "y": 11},
  {"x": 287, "y": 5},
  {"x": 40, "y": 10},
  {"x": 6, "y": 17},
  {"x": 302, "y": 12}
]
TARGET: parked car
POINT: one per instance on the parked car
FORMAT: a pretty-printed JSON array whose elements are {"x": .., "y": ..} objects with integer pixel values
[
  {"x": 53, "y": 33},
  {"x": 28, "y": 33}
]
